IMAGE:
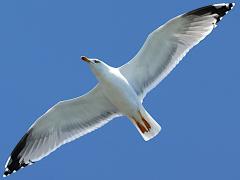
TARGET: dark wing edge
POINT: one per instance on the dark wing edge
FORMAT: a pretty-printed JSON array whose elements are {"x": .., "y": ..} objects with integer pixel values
[
  {"x": 13, "y": 163},
  {"x": 219, "y": 9}
]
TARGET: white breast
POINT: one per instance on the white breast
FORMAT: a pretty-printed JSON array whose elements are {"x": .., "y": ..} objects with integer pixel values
[{"x": 117, "y": 89}]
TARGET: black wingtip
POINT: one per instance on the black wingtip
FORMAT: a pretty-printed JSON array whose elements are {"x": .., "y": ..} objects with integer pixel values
[
  {"x": 219, "y": 9},
  {"x": 14, "y": 167},
  {"x": 231, "y": 5},
  {"x": 13, "y": 164},
  {"x": 223, "y": 9}
]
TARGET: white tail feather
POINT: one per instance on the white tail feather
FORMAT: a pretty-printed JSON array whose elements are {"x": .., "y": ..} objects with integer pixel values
[{"x": 146, "y": 126}]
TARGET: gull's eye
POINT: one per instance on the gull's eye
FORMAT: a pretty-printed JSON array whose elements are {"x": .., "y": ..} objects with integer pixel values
[{"x": 96, "y": 61}]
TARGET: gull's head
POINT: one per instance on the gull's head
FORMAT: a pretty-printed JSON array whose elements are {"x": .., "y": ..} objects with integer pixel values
[{"x": 98, "y": 67}]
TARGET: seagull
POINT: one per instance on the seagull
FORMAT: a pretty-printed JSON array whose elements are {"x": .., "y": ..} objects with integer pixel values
[{"x": 120, "y": 91}]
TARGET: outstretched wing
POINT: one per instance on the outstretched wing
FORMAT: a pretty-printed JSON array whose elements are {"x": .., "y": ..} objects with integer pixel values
[
  {"x": 168, "y": 44},
  {"x": 64, "y": 122}
]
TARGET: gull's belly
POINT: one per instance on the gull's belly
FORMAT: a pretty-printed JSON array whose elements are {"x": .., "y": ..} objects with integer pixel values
[{"x": 121, "y": 94}]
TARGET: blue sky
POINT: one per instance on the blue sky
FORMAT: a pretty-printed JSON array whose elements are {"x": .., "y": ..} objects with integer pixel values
[{"x": 197, "y": 105}]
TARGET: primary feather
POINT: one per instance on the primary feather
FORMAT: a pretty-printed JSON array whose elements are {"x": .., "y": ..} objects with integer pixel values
[
  {"x": 64, "y": 122},
  {"x": 168, "y": 44}
]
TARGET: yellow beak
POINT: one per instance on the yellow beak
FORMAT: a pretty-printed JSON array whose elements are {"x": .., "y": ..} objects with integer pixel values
[{"x": 84, "y": 58}]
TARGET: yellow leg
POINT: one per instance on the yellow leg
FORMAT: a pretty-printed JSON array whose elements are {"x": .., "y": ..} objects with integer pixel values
[
  {"x": 145, "y": 122},
  {"x": 139, "y": 125}
]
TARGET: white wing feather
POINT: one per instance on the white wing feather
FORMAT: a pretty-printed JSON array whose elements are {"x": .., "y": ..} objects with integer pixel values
[
  {"x": 64, "y": 122},
  {"x": 168, "y": 44}
]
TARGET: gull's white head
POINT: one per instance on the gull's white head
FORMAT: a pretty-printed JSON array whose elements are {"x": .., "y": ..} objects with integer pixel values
[{"x": 99, "y": 68}]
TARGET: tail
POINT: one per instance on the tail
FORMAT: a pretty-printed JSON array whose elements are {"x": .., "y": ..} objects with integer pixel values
[{"x": 147, "y": 126}]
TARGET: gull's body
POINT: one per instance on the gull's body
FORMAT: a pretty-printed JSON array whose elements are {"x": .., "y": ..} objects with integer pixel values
[{"x": 120, "y": 91}]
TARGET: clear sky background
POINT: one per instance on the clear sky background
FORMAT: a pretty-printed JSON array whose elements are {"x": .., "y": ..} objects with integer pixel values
[{"x": 197, "y": 105}]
